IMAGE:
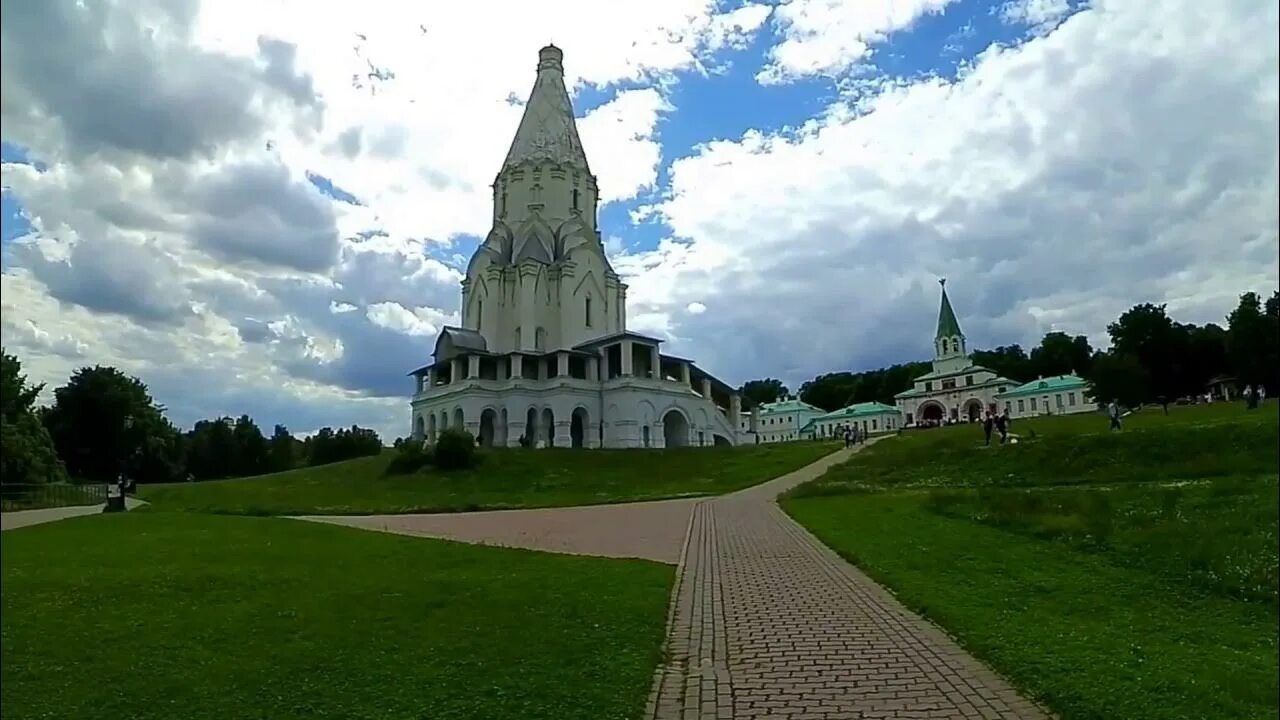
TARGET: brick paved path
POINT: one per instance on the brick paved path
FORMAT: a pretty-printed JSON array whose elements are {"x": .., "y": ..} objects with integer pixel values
[
  {"x": 647, "y": 530},
  {"x": 766, "y": 622}
]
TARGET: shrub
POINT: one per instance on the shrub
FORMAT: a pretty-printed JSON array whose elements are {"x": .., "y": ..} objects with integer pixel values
[
  {"x": 410, "y": 457},
  {"x": 455, "y": 450}
]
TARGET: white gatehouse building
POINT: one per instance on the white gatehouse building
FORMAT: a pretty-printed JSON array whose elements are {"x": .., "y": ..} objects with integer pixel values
[
  {"x": 543, "y": 355},
  {"x": 955, "y": 389}
]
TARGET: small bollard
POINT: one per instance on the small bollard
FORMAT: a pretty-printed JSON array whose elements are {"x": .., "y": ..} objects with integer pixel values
[{"x": 115, "y": 497}]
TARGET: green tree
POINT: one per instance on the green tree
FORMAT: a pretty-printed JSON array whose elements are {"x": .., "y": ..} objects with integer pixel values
[
  {"x": 1252, "y": 340},
  {"x": 1009, "y": 361},
  {"x": 251, "y": 448},
  {"x": 1061, "y": 354},
  {"x": 27, "y": 453},
  {"x": 1119, "y": 377},
  {"x": 104, "y": 423},
  {"x": 280, "y": 450},
  {"x": 759, "y": 392},
  {"x": 1146, "y": 334}
]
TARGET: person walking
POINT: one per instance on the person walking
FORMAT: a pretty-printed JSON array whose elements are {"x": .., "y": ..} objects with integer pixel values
[
  {"x": 988, "y": 424},
  {"x": 1113, "y": 412},
  {"x": 1002, "y": 426}
]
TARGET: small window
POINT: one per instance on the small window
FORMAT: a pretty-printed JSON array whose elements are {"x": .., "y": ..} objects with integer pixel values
[
  {"x": 1033, "y": 404},
  {"x": 949, "y": 384},
  {"x": 968, "y": 379},
  {"x": 1022, "y": 406},
  {"x": 1071, "y": 399},
  {"x": 479, "y": 314},
  {"x": 873, "y": 425},
  {"x": 587, "y": 309},
  {"x": 1057, "y": 399},
  {"x": 1007, "y": 408},
  {"x": 575, "y": 198},
  {"x": 928, "y": 387},
  {"x": 644, "y": 431}
]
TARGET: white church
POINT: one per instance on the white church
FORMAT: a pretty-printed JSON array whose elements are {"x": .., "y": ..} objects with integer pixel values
[{"x": 544, "y": 357}]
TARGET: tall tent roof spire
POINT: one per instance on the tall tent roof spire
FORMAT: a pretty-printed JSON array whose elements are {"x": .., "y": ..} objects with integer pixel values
[
  {"x": 948, "y": 326},
  {"x": 547, "y": 132}
]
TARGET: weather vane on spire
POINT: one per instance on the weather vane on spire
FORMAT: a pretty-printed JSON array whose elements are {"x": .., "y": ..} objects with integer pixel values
[{"x": 942, "y": 282}]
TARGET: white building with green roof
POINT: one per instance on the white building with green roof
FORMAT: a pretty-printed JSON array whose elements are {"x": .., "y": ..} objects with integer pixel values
[
  {"x": 1058, "y": 395},
  {"x": 955, "y": 389},
  {"x": 779, "y": 421},
  {"x": 870, "y": 417}
]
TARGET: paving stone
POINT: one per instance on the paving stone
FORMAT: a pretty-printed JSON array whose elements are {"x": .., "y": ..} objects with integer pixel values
[{"x": 785, "y": 628}]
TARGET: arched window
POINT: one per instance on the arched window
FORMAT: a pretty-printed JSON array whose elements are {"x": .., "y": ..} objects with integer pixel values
[
  {"x": 517, "y": 345},
  {"x": 540, "y": 340},
  {"x": 479, "y": 314},
  {"x": 587, "y": 309},
  {"x": 575, "y": 198}
]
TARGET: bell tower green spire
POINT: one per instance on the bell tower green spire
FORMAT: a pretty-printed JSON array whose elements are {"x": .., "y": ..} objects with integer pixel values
[{"x": 949, "y": 347}]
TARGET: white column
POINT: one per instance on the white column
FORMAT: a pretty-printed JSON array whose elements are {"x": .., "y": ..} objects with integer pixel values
[
  {"x": 735, "y": 409},
  {"x": 684, "y": 374},
  {"x": 604, "y": 364},
  {"x": 563, "y": 438},
  {"x": 562, "y": 364},
  {"x": 473, "y": 366},
  {"x": 706, "y": 389},
  {"x": 432, "y": 378},
  {"x": 593, "y": 368},
  {"x": 626, "y": 357},
  {"x": 455, "y": 370},
  {"x": 517, "y": 367},
  {"x": 655, "y": 362}
]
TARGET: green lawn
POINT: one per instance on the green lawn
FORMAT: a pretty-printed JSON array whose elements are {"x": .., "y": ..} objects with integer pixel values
[
  {"x": 504, "y": 479},
  {"x": 169, "y": 615},
  {"x": 1124, "y": 575}
]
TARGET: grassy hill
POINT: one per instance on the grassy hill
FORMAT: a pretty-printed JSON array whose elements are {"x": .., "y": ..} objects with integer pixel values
[
  {"x": 1129, "y": 574},
  {"x": 504, "y": 479}
]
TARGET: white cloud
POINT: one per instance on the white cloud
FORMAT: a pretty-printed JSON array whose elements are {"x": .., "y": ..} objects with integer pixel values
[
  {"x": 626, "y": 126},
  {"x": 416, "y": 321},
  {"x": 823, "y": 37},
  {"x": 181, "y": 199},
  {"x": 695, "y": 308},
  {"x": 1039, "y": 15},
  {"x": 1056, "y": 183}
]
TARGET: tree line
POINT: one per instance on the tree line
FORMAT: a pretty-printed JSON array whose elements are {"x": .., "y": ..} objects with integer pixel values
[
  {"x": 1152, "y": 358},
  {"x": 103, "y": 423}
]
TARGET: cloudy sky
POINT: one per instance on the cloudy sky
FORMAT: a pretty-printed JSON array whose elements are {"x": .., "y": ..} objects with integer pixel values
[{"x": 264, "y": 206}]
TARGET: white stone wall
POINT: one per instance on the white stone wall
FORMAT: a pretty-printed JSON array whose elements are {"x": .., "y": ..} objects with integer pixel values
[
  {"x": 961, "y": 398},
  {"x": 784, "y": 426},
  {"x": 870, "y": 424},
  {"x": 626, "y": 406},
  {"x": 1069, "y": 402}
]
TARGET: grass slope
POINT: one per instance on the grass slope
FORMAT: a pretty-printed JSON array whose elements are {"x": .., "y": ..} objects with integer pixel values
[
  {"x": 504, "y": 479},
  {"x": 163, "y": 615},
  {"x": 1111, "y": 575}
]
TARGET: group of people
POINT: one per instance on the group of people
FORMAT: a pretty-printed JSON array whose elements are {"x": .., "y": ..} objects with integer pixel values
[
  {"x": 852, "y": 435},
  {"x": 998, "y": 422},
  {"x": 1252, "y": 397}
]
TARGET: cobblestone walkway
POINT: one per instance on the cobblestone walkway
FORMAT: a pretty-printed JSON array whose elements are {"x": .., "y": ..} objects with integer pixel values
[
  {"x": 646, "y": 530},
  {"x": 766, "y": 622}
]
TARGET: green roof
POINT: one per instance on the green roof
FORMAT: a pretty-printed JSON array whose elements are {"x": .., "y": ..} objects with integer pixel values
[
  {"x": 1057, "y": 383},
  {"x": 858, "y": 410},
  {"x": 910, "y": 393},
  {"x": 785, "y": 406},
  {"x": 948, "y": 326}
]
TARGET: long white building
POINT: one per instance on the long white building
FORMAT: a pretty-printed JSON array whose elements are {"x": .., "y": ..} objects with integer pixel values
[{"x": 543, "y": 353}]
